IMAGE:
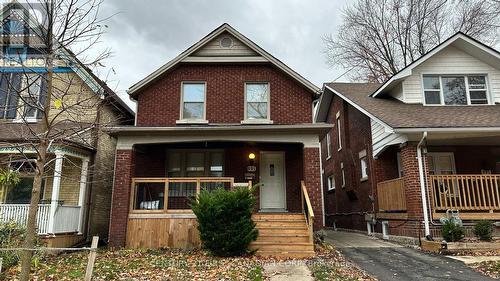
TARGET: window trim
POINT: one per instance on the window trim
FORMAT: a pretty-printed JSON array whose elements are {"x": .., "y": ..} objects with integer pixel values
[
  {"x": 246, "y": 120},
  {"x": 339, "y": 128},
  {"x": 328, "y": 146},
  {"x": 363, "y": 156},
  {"x": 183, "y": 120},
  {"x": 329, "y": 180},
  {"x": 467, "y": 90},
  {"x": 434, "y": 156},
  {"x": 343, "y": 174}
]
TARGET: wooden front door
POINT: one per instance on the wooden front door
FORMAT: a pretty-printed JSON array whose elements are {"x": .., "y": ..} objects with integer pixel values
[{"x": 272, "y": 180}]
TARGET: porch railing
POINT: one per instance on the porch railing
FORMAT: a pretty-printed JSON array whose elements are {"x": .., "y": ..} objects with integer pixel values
[
  {"x": 67, "y": 219},
  {"x": 466, "y": 192},
  {"x": 171, "y": 194},
  {"x": 391, "y": 195},
  {"x": 307, "y": 209},
  {"x": 19, "y": 213}
]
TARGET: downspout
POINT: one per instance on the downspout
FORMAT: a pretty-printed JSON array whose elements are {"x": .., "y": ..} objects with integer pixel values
[
  {"x": 423, "y": 189},
  {"x": 321, "y": 183}
]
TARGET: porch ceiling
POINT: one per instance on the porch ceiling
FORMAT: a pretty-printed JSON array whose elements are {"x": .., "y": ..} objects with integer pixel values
[{"x": 459, "y": 138}]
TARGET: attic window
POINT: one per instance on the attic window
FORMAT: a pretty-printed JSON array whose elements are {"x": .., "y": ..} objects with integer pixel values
[
  {"x": 226, "y": 42},
  {"x": 455, "y": 89}
]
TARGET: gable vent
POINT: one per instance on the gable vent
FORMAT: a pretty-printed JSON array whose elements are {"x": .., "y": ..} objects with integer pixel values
[{"x": 226, "y": 42}]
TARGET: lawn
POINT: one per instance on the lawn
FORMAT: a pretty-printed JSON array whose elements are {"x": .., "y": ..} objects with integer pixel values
[
  {"x": 489, "y": 268},
  {"x": 180, "y": 265}
]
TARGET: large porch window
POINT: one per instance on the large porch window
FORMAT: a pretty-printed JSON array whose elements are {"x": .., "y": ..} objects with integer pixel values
[{"x": 195, "y": 163}]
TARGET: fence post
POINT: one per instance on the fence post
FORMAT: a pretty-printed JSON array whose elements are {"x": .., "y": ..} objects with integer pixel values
[{"x": 91, "y": 260}]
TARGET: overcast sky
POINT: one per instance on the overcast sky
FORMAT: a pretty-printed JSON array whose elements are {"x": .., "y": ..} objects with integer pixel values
[{"x": 146, "y": 34}]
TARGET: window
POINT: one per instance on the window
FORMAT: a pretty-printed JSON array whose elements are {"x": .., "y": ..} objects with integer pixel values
[
  {"x": 441, "y": 163},
  {"x": 193, "y": 101},
  {"x": 31, "y": 90},
  {"x": 195, "y": 163},
  {"x": 331, "y": 183},
  {"x": 9, "y": 94},
  {"x": 343, "y": 173},
  {"x": 256, "y": 101},
  {"x": 328, "y": 146},
  {"x": 339, "y": 130},
  {"x": 363, "y": 165},
  {"x": 455, "y": 89}
]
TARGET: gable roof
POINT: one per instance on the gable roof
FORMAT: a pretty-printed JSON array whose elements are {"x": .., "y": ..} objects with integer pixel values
[
  {"x": 396, "y": 115},
  {"x": 84, "y": 72},
  {"x": 265, "y": 57},
  {"x": 459, "y": 40}
]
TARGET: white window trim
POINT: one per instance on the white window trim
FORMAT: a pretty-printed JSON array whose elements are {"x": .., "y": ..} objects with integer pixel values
[
  {"x": 363, "y": 155},
  {"x": 339, "y": 128},
  {"x": 328, "y": 146},
  {"x": 343, "y": 174},
  {"x": 434, "y": 155},
  {"x": 257, "y": 121},
  {"x": 183, "y": 120},
  {"x": 331, "y": 182},
  {"x": 441, "y": 94}
]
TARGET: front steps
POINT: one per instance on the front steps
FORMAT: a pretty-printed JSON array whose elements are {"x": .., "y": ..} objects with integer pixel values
[{"x": 282, "y": 235}]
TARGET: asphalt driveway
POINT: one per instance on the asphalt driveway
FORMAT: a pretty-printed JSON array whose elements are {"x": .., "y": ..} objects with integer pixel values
[{"x": 388, "y": 261}]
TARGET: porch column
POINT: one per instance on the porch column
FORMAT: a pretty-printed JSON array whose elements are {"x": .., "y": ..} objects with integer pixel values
[
  {"x": 312, "y": 179},
  {"x": 124, "y": 169},
  {"x": 56, "y": 184},
  {"x": 409, "y": 165},
  {"x": 83, "y": 192}
]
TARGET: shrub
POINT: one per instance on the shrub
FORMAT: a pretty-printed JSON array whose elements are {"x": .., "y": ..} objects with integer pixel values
[
  {"x": 452, "y": 230},
  {"x": 225, "y": 220},
  {"x": 483, "y": 229},
  {"x": 11, "y": 236}
]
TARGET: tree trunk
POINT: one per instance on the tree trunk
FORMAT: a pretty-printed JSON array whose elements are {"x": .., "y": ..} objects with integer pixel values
[{"x": 42, "y": 149}]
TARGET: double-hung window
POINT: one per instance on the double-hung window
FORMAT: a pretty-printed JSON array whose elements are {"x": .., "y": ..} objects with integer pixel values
[
  {"x": 363, "y": 165},
  {"x": 31, "y": 91},
  {"x": 328, "y": 146},
  {"x": 342, "y": 173},
  {"x": 257, "y": 99},
  {"x": 455, "y": 89},
  {"x": 331, "y": 183},
  {"x": 193, "y": 101},
  {"x": 339, "y": 130}
]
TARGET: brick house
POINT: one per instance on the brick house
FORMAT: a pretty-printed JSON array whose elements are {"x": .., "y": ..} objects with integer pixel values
[
  {"x": 75, "y": 198},
  {"x": 421, "y": 146},
  {"x": 223, "y": 113}
]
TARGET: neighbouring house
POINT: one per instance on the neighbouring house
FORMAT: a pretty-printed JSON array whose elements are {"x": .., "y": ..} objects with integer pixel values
[
  {"x": 422, "y": 146},
  {"x": 223, "y": 113},
  {"x": 76, "y": 189}
]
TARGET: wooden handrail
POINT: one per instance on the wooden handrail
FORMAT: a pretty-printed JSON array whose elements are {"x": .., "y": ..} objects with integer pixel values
[
  {"x": 168, "y": 186},
  {"x": 310, "y": 212}
]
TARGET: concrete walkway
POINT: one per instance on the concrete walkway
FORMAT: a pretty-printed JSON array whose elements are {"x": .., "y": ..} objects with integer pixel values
[
  {"x": 288, "y": 271},
  {"x": 388, "y": 261}
]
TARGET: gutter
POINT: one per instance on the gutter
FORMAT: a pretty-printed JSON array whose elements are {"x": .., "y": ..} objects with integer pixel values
[{"x": 423, "y": 189}]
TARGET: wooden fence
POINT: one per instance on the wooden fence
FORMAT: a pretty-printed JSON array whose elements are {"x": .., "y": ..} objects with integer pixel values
[{"x": 391, "y": 195}]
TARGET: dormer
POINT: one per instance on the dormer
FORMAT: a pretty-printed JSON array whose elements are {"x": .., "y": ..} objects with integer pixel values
[{"x": 459, "y": 72}]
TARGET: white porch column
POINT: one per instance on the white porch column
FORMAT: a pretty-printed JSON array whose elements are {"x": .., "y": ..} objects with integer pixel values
[
  {"x": 56, "y": 184},
  {"x": 83, "y": 192}
]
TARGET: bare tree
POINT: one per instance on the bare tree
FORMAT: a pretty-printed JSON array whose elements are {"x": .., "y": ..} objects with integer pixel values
[
  {"x": 380, "y": 37},
  {"x": 59, "y": 32}
]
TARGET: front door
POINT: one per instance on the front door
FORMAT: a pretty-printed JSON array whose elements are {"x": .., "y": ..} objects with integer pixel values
[{"x": 272, "y": 180}]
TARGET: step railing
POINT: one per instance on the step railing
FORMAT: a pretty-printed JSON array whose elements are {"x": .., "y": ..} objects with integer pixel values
[
  {"x": 466, "y": 192},
  {"x": 307, "y": 210}
]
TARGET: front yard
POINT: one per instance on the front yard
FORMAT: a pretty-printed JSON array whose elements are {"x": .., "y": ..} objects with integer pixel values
[{"x": 328, "y": 264}]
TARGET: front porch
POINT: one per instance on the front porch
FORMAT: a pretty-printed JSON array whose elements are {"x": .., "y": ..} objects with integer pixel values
[
  {"x": 459, "y": 180},
  {"x": 166, "y": 177},
  {"x": 61, "y": 210}
]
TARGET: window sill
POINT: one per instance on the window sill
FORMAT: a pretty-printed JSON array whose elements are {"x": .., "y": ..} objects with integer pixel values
[
  {"x": 363, "y": 179},
  {"x": 328, "y": 157},
  {"x": 340, "y": 148},
  {"x": 27, "y": 120},
  {"x": 257, "y": 121},
  {"x": 191, "y": 121},
  {"x": 331, "y": 190}
]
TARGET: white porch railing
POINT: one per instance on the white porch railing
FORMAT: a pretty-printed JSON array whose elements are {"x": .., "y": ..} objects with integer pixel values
[{"x": 66, "y": 218}]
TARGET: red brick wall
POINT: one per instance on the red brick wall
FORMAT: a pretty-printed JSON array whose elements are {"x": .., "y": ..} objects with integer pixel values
[
  {"x": 356, "y": 136},
  {"x": 312, "y": 175},
  {"x": 159, "y": 104},
  {"x": 124, "y": 167}
]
